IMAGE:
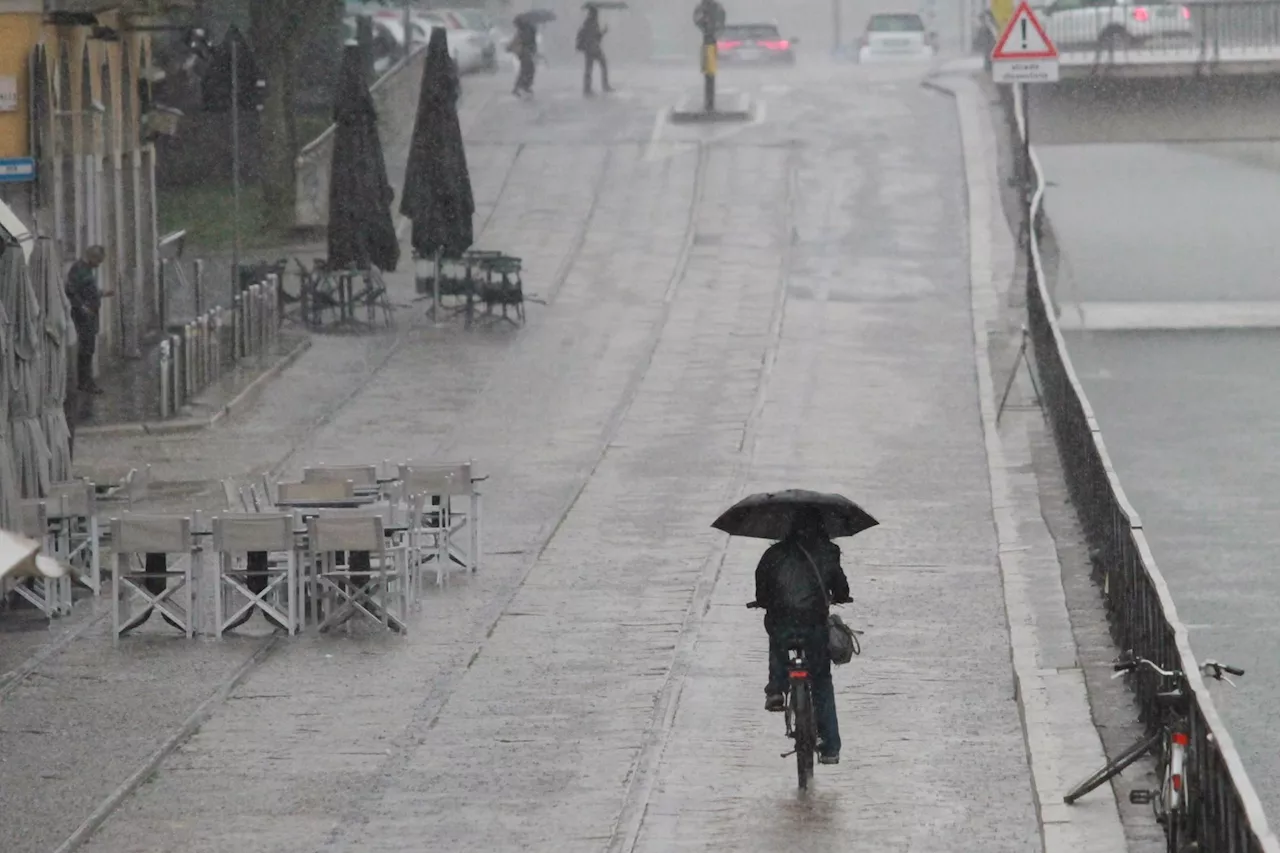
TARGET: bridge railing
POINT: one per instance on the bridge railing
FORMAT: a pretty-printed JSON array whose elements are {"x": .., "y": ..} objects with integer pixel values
[
  {"x": 1191, "y": 31},
  {"x": 1227, "y": 814}
]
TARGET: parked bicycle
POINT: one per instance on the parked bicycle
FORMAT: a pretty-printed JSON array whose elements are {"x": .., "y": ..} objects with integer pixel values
[{"x": 1170, "y": 744}]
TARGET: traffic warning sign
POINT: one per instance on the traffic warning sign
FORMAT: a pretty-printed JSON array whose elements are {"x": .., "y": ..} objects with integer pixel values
[{"x": 1024, "y": 52}]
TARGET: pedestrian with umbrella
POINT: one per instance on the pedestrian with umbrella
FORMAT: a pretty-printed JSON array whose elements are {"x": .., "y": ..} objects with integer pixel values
[
  {"x": 525, "y": 47},
  {"x": 797, "y": 580},
  {"x": 590, "y": 43},
  {"x": 437, "y": 195},
  {"x": 361, "y": 232},
  {"x": 86, "y": 299}
]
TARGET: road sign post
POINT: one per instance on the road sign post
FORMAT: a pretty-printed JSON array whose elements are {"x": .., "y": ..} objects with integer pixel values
[{"x": 1025, "y": 54}]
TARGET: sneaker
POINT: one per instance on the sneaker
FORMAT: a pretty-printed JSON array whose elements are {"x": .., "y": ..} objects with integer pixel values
[
  {"x": 775, "y": 702},
  {"x": 829, "y": 759}
]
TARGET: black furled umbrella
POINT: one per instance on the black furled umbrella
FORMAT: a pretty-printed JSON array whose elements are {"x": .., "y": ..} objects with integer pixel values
[
  {"x": 360, "y": 228},
  {"x": 437, "y": 187}
]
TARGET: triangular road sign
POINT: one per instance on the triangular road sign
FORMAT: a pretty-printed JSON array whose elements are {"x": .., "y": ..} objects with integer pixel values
[{"x": 1024, "y": 38}]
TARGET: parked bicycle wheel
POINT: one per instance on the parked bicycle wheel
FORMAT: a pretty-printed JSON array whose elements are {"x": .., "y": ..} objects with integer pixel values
[
  {"x": 1113, "y": 767},
  {"x": 806, "y": 730}
]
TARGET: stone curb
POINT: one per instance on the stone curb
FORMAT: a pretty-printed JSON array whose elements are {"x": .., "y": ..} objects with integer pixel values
[
  {"x": 1062, "y": 742},
  {"x": 241, "y": 401}
]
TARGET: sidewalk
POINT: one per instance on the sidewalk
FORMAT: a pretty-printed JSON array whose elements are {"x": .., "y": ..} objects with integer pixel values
[{"x": 598, "y": 684}]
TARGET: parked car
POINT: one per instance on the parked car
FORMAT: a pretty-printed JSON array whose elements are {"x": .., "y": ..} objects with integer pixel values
[
  {"x": 761, "y": 43},
  {"x": 1114, "y": 24},
  {"x": 484, "y": 30},
  {"x": 895, "y": 36},
  {"x": 389, "y": 39}
]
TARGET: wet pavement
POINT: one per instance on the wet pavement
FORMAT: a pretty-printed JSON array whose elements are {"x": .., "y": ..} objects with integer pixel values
[
  {"x": 1148, "y": 232},
  {"x": 733, "y": 309}
]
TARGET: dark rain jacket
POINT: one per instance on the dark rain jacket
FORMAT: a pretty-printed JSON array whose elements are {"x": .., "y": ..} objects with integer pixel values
[
  {"x": 82, "y": 292},
  {"x": 590, "y": 36},
  {"x": 787, "y": 585}
]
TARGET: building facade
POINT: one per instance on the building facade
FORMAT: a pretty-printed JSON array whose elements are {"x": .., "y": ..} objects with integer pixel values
[{"x": 82, "y": 76}]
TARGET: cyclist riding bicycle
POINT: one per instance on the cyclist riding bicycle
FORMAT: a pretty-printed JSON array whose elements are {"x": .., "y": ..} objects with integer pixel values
[{"x": 787, "y": 587}]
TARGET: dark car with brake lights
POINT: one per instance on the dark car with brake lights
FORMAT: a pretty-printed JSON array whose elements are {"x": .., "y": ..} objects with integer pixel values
[{"x": 752, "y": 43}]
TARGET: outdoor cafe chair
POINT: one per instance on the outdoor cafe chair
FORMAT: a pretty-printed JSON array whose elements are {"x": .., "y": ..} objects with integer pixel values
[
  {"x": 465, "y": 504},
  {"x": 71, "y": 507},
  {"x": 51, "y": 596},
  {"x": 379, "y": 591},
  {"x": 248, "y": 578},
  {"x": 437, "y": 521},
  {"x": 155, "y": 538}
]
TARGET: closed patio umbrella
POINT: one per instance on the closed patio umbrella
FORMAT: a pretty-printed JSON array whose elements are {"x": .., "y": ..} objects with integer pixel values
[
  {"x": 59, "y": 338},
  {"x": 9, "y": 514},
  {"x": 437, "y": 186},
  {"x": 26, "y": 435},
  {"x": 361, "y": 232}
]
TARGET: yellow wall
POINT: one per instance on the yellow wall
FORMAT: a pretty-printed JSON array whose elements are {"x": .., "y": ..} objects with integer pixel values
[{"x": 19, "y": 33}]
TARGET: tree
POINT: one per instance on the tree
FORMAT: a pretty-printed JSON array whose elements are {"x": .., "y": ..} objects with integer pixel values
[{"x": 278, "y": 30}]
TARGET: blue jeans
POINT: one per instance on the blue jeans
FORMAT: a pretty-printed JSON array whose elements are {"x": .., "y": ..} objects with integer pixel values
[{"x": 814, "y": 638}]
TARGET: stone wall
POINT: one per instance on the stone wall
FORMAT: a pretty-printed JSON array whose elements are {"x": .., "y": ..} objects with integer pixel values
[{"x": 395, "y": 96}]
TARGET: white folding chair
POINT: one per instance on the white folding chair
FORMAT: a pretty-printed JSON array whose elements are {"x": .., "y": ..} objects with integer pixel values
[
  {"x": 71, "y": 508},
  {"x": 463, "y": 502},
  {"x": 274, "y": 588},
  {"x": 380, "y": 592},
  {"x": 51, "y": 596},
  {"x": 134, "y": 536}
]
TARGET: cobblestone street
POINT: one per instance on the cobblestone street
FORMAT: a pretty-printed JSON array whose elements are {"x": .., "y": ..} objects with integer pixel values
[{"x": 728, "y": 310}]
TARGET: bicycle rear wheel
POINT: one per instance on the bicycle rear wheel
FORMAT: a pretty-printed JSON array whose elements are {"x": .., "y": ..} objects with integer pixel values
[
  {"x": 806, "y": 730},
  {"x": 1112, "y": 768}
]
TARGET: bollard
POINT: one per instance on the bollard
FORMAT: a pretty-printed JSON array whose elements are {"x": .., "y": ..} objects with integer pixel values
[
  {"x": 197, "y": 286},
  {"x": 255, "y": 318},
  {"x": 162, "y": 288},
  {"x": 165, "y": 381},
  {"x": 215, "y": 344},
  {"x": 237, "y": 323},
  {"x": 179, "y": 374},
  {"x": 189, "y": 351}
]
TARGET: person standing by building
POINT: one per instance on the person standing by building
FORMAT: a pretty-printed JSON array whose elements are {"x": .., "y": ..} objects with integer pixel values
[
  {"x": 590, "y": 37},
  {"x": 86, "y": 300}
]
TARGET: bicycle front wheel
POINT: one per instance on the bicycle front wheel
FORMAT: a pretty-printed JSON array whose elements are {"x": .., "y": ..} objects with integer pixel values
[
  {"x": 806, "y": 731},
  {"x": 1112, "y": 768}
]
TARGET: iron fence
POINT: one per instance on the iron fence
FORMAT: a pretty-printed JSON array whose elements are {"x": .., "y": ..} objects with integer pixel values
[
  {"x": 200, "y": 352},
  {"x": 1226, "y": 814}
]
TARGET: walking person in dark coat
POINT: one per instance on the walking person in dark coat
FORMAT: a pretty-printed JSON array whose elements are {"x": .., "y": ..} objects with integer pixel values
[
  {"x": 86, "y": 300},
  {"x": 590, "y": 36},
  {"x": 525, "y": 46}
]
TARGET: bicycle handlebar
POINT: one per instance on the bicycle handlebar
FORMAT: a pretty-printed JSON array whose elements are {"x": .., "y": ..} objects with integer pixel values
[{"x": 1210, "y": 668}]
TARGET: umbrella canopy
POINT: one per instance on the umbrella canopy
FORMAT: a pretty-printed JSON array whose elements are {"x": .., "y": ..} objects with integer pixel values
[
  {"x": 361, "y": 232},
  {"x": 59, "y": 338},
  {"x": 30, "y": 451},
  {"x": 437, "y": 186},
  {"x": 770, "y": 515},
  {"x": 534, "y": 17}
]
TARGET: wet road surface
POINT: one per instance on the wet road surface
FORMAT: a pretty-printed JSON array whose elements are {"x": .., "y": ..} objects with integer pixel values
[
  {"x": 1178, "y": 233},
  {"x": 730, "y": 310}
]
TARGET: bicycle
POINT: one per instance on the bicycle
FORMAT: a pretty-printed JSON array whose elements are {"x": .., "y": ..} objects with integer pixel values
[
  {"x": 798, "y": 713},
  {"x": 1170, "y": 744}
]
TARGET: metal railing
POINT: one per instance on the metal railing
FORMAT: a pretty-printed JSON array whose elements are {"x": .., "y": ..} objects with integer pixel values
[
  {"x": 1227, "y": 814},
  {"x": 1194, "y": 31},
  {"x": 205, "y": 349}
]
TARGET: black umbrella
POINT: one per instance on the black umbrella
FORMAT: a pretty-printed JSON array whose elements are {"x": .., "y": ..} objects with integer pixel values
[
  {"x": 360, "y": 196},
  {"x": 437, "y": 187},
  {"x": 535, "y": 17},
  {"x": 770, "y": 515}
]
